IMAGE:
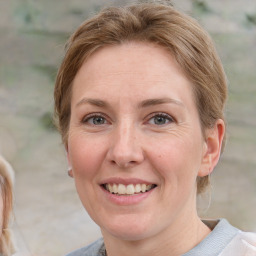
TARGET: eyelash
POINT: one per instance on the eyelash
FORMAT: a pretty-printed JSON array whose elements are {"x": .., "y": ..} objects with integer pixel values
[
  {"x": 151, "y": 116},
  {"x": 91, "y": 116},
  {"x": 163, "y": 115}
]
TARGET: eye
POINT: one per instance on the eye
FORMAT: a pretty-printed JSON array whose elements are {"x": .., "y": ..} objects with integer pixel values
[
  {"x": 95, "y": 119},
  {"x": 160, "y": 119}
]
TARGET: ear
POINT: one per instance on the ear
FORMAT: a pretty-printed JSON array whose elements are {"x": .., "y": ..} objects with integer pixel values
[
  {"x": 212, "y": 149},
  {"x": 70, "y": 170}
]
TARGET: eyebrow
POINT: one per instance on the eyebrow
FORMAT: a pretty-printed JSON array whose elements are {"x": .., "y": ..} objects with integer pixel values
[
  {"x": 95, "y": 102},
  {"x": 153, "y": 102},
  {"x": 143, "y": 104}
]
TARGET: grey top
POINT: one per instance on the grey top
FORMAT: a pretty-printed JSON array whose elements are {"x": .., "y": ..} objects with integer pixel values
[{"x": 222, "y": 233}]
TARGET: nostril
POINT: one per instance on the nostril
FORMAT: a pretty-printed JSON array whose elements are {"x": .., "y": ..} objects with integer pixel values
[{"x": 123, "y": 164}]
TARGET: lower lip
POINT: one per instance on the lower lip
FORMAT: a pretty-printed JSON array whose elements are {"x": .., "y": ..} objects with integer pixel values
[{"x": 128, "y": 199}]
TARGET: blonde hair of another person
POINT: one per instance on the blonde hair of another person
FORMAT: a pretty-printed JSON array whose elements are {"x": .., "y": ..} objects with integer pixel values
[{"x": 6, "y": 206}]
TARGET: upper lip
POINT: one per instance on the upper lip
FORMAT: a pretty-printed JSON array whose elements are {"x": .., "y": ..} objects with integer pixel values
[{"x": 125, "y": 181}]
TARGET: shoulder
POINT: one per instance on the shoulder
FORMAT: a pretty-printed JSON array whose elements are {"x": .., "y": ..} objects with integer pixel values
[
  {"x": 97, "y": 248},
  {"x": 225, "y": 240},
  {"x": 244, "y": 243}
]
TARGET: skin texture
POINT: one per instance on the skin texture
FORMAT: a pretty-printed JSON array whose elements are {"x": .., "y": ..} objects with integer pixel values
[{"x": 118, "y": 132}]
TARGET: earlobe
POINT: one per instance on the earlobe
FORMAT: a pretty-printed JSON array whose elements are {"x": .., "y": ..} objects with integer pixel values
[
  {"x": 70, "y": 171},
  {"x": 213, "y": 143}
]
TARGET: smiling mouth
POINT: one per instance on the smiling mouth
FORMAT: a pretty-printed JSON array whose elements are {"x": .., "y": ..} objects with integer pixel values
[{"x": 131, "y": 189}]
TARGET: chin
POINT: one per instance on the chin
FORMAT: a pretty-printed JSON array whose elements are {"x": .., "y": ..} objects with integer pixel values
[
  {"x": 129, "y": 235},
  {"x": 129, "y": 230}
]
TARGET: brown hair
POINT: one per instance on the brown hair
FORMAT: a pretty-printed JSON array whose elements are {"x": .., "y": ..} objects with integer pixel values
[
  {"x": 156, "y": 23},
  {"x": 6, "y": 188}
]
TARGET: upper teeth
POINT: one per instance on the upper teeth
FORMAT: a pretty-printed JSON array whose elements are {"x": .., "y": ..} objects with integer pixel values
[{"x": 130, "y": 189}]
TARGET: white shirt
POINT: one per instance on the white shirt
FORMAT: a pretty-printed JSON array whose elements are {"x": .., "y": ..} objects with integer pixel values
[{"x": 243, "y": 244}]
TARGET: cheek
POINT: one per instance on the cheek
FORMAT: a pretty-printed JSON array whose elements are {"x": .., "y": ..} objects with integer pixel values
[
  {"x": 177, "y": 159},
  {"x": 85, "y": 155}
]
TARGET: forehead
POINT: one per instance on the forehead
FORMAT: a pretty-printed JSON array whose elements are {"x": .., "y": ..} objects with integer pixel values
[
  {"x": 122, "y": 77},
  {"x": 132, "y": 60},
  {"x": 130, "y": 73},
  {"x": 122, "y": 58}
]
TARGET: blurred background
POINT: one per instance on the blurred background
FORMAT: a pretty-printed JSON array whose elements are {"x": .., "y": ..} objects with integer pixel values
[{"x": 49, "y": 217}]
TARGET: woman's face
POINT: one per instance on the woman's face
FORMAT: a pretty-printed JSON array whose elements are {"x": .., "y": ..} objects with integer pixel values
[{"x": 135, "y": 130}]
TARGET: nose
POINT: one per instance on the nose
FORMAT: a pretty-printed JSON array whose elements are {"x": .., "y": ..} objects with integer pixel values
[{"x": 125, "y": 150}]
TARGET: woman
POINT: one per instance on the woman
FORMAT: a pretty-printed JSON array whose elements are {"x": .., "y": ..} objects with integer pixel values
[
  {"x": 139, "y": 99},
  {"x": 6, "y": 181}
]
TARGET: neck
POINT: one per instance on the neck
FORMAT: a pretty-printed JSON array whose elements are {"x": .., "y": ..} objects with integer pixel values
[{"x": 179, "y": 238}]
